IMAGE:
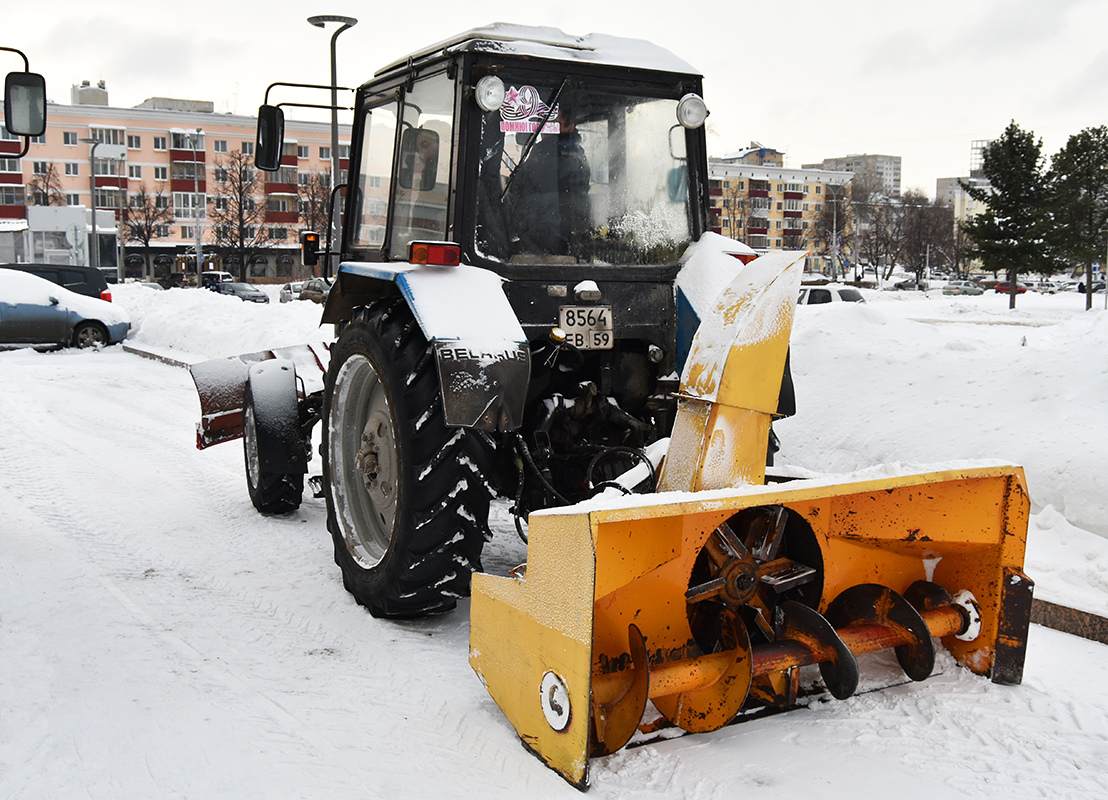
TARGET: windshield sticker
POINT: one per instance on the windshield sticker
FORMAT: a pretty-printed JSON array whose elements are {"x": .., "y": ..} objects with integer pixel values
[{"x": 523, "y": 110}]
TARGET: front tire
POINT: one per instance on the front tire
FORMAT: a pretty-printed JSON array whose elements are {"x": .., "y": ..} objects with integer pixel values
[
  {"x": 270, "y": 492},
  {"x": 407, "y": 501}
]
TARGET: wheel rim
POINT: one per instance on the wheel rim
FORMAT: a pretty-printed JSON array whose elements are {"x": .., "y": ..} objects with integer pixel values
[
  {"x": 364, "y": 461},
  {"x": 250, "y": 441},
  {"x": 89, "y": 335}
]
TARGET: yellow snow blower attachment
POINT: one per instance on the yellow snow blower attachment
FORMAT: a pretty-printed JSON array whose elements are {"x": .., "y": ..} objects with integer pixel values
[{"x": 707, "y": 597}]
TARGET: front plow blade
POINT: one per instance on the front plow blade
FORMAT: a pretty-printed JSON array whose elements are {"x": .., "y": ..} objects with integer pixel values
[
  {"x": 713, "y": 600},
  {"x": 221, "y": 381}
]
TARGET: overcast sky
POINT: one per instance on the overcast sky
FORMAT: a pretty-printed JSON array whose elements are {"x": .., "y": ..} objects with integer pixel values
[{"x": 812, "y": 78}]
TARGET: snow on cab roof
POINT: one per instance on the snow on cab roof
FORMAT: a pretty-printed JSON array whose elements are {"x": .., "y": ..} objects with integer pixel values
[{"x": 552, "y": 43}]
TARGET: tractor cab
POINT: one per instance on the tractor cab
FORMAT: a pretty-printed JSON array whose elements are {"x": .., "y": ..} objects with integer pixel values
[{"x": 564, "y": 157}]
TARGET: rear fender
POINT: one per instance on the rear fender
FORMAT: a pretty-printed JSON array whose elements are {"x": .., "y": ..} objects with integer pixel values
[{"x": 480, "y": 349}]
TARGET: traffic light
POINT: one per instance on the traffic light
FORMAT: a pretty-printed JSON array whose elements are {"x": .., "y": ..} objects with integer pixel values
[{"x": 309, "y": 248}]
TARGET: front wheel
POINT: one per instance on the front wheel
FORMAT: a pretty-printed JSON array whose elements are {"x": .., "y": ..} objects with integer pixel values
[
  {"x": 271, "y": 491},
  {"x": 407, "y": 500},
  {"x": 90, "y": 334}
]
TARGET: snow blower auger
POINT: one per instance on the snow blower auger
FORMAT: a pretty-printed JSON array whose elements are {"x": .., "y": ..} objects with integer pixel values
[{"x": 707, "y": 597}]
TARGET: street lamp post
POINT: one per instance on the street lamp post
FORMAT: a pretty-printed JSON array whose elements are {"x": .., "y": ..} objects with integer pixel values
[
  {"x": 320, "y": 21},
  {"x": 194, "y": 139},
  {"x": 94, "y": 245}
]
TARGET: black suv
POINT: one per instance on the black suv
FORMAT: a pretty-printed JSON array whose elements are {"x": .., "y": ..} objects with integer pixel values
[{"x": 82, "y": 280}]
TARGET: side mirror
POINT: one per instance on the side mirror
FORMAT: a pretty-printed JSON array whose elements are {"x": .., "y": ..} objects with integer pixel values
[
  {"x": 25, "y": 104},
  {"x": 271, "y": 138},
  {"x": 53, "y": 300},
  {"x": 419, "y": 148}
]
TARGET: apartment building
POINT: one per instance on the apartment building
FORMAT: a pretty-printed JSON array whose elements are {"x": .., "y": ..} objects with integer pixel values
[
  {"x": 880, "y": 173},
  {"x": 181, "y": 156},
  {"x": 770, "y": 207}
]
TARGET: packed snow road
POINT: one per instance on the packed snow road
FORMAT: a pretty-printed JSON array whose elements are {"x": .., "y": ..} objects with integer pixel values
[{"x": 160, "y": 638}]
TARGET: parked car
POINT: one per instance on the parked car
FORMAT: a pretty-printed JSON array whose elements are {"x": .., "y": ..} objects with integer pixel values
[
  {"x": 1002, "y": 287},
  {"x": 315, "y": 290},
  {"x": 35, "y": 311},
  {"x": 209, "y": 277},
  {"x": 962, "y": 287},
  {"x": 243, "y": 291},
  {"x": 173, "y": 280},
  {"x": 1098, "y": 286},
  {"x": 1044, "y": 287},
  {"x": 815, "y": 295},
  {"x": 82, "y": 280},
  {"x": 910, "y": 284},
  {"x": 290, "y": 291}
]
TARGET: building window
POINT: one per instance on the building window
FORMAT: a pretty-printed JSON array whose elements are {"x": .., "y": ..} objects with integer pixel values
[
  {"x": 69, "y": 137},
  {"x": 134, "y": 172},
  {"x": 325, "y": 153},
  {"x": 273, "y": 204},
  {"x": 374, "y": 181},
  {"x": 107, "y": 135},
  {"x": 161, "y": 201},
  {"x": 10, "y": 165},
  {"x": 11, "y": 195},
  {"x": 818, "y": 188},
  {"x": 161, "y": 173},
  {"x": 161, "y": 231},
  {"x": 188, "y": 141},
  {"x": 72, "y": 199},
  {"x": 344, "y": 151},
  {"x": 278, "y": 234},
  {"x": 72, "y": 169},
  {"x": 159, "y": 143},
  {"x": 304, "y": 178},
  {"x": 134, "y": 142},
  {"x": 219, "y": 146},
  {"x": 302, "y": 151},
  {"x": 219, "y": 175},
  {"x": 39, "y": 167},
  {"x": 187, "y": 232},
  {"x": 248, "y": 148},
  {"x": 221, "y": 204}
]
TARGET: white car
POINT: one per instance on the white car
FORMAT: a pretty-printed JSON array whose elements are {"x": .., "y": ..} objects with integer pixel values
[{"x": 829, "y": 293}]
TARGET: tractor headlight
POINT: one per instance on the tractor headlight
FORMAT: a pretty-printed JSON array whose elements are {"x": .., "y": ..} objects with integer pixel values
[
  {"x": 490, "y": 93},
  {"x": 691, "y": 111}
]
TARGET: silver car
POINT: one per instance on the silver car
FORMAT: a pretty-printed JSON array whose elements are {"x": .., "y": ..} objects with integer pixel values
[
  {"x": 34, "y": 311},
  {"x": 962, "y": 287}
]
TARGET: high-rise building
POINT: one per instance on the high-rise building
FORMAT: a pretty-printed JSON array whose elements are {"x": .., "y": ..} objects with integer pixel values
[{"x": 881, "y": 173}]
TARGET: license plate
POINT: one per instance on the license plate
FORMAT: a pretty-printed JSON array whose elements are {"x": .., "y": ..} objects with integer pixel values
[{"x": 587, "y": 327}]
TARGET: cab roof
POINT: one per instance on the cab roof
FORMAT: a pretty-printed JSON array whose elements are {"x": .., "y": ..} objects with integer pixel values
[{"x": 551, "y": 43}]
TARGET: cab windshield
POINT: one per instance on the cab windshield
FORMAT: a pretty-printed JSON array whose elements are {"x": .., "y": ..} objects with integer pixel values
[{"x": 568, "y": 176}]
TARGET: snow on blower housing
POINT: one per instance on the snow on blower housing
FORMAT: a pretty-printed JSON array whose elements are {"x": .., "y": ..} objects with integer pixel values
[{"x": 528, "y": 303}]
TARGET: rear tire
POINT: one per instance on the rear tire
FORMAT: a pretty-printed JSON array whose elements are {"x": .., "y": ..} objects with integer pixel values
[
  {"x": 270, "y": 492},
  {"x": 407, "y": 500}
]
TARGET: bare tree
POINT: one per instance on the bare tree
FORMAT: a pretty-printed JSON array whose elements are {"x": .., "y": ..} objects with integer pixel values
[
  {"x": 237, "y": 215},
  {"x": 45, "y": 189},
  {"x": 315, "y": 202},
  {"x": 927, "y": 232},
  {"x": 144, "y": 214},
  {"x": 833, "y": 224}
]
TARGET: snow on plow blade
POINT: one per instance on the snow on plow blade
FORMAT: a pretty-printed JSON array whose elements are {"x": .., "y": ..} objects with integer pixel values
[
  {"x": 708, "y": 597},
  {"x": 617, "y": 604},
  {"x": 220, "y": 383}
]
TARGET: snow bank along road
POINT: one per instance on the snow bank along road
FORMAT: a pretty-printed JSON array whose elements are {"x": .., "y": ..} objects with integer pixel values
[{"x": 159, "y": 638}]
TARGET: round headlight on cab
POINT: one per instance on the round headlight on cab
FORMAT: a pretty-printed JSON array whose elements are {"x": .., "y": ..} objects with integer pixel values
[
  {"x": 691, "y": 111},
  {"x": 490, "y": 93}
]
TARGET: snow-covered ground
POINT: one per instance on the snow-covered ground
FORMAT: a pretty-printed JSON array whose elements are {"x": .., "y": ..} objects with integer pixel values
[{"x": 158, "y": 638}]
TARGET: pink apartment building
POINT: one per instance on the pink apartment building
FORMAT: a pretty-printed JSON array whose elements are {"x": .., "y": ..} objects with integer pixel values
[{"x": 160, "y": 169}]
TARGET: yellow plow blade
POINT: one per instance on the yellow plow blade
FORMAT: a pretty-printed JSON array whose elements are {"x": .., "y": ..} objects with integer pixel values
[
  {"x": 556, "y": 648},
  {"x": 709, "y": 596}
]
